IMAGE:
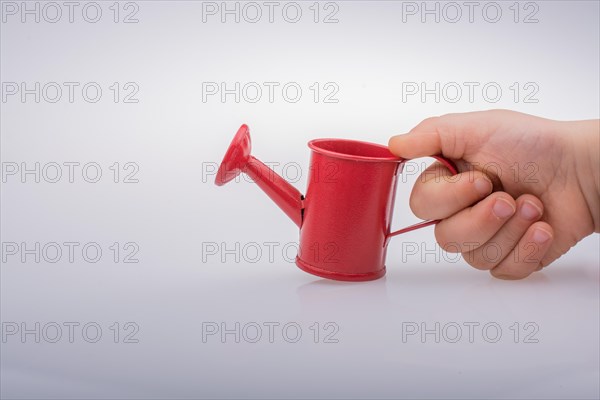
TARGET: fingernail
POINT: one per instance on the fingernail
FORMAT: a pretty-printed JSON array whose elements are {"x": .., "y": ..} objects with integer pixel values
[
  {"x": 505, "y": 277},
  {"x": 541, "y": 236},
  {"x": 483, "y": 186},
  {"x": 530, "y": 211},
  {"x": 503, "y": 209}
]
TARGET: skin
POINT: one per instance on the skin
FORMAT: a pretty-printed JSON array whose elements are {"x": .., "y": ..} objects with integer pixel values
[{"x": 528, "y": 188}]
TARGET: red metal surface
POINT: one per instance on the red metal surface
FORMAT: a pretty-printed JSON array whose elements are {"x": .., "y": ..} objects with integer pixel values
[
  {"x": 346, "y": 216},
  {"x": 237, "y": 159}
]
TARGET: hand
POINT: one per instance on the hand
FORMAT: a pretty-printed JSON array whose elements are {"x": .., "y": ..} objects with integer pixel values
[{"x": 528, "y": 188}]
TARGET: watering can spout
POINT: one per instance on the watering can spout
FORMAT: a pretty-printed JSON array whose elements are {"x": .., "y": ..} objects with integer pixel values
[{"x": 238, "y": 159}]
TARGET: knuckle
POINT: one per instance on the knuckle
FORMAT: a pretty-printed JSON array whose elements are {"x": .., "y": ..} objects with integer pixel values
[
  {"x": 511, "y": 274},
  {"x": 431, "y": 121},
  {"x": 512, "y": 235},
  {"x": 444, "y": 238},
  {"x": 476, "y": 260},
  {"x": 416, "y": 205},
  {"x": 456, "y": 195}
]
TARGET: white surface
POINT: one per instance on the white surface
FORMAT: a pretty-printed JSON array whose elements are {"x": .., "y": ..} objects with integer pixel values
[{"x": 171, "y": 212}]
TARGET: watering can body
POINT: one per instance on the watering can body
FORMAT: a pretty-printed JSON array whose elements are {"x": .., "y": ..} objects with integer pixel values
[
  {"x": 346, "y": 215},
  {"x": 347, "y": 210}
]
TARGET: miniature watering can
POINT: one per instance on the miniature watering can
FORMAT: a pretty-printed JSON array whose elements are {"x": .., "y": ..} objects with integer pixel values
[{"x": 345, "y": 217}]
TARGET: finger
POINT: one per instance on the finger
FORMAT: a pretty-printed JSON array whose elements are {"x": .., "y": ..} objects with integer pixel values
[
  {"x": 527, "y": 256},
  {"x": 418, "y": 143},
  {"x": 451, "y": 135},
  {"x": 474, "y": 226},
  {"x": 490, "y": 254},
  {"x": 438, "y": 194}
]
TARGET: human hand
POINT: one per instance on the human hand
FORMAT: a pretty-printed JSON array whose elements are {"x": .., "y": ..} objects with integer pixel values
[{"x": 528, "y": 188}]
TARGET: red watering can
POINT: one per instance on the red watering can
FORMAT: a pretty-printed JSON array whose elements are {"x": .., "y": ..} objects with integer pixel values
[{"x": 345, "y": 217}]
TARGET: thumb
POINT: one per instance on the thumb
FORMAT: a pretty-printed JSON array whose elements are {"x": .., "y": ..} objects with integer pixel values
[
  {"x": 449, "y": 135},
  {"x": 416, "y": 143}
]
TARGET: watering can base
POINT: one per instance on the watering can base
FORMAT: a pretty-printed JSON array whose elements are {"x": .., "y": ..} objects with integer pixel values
[{"x": 339, "y": 276}]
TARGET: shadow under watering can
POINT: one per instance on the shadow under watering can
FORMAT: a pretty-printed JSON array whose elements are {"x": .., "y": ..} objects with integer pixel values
[{"x": 346, "y": 215}]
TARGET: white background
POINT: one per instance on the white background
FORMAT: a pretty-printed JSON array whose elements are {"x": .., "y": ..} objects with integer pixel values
[{"x": 174, "y": 212}]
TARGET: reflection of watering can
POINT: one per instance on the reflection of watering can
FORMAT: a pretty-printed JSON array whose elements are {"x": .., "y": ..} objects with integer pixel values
[{"x": 345, "y": 218}]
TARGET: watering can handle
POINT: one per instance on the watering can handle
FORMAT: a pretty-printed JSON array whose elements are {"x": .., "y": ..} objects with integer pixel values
[{"x": 450, "y": 165}]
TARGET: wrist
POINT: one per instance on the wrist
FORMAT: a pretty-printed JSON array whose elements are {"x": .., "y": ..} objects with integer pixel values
[{"x": 585, "y": 136}]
